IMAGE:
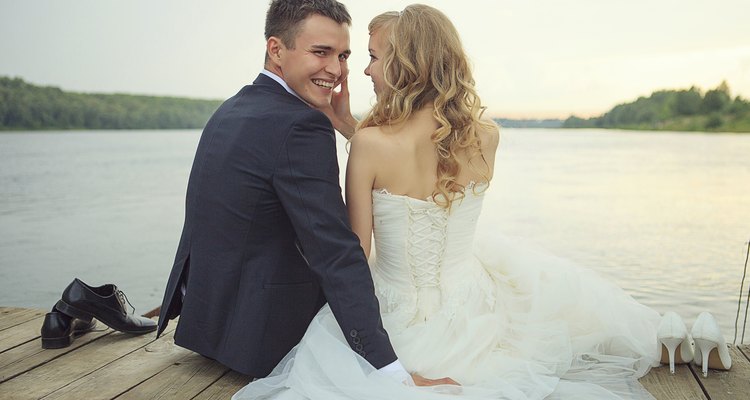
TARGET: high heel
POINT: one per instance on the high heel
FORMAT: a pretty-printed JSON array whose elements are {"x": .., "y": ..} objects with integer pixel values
[
  {"x": 708, "y": 337},
  {"x": 675, "y": 340}
]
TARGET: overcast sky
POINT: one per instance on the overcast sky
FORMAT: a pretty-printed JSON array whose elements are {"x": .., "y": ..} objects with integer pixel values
[{"x": 532, "y": 59}]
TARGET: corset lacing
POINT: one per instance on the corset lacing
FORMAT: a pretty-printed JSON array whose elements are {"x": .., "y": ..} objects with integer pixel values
[{"x": 425, "y": 248}]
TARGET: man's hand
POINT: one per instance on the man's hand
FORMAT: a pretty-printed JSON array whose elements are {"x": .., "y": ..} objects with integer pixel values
[{"x": 419, "y": 380}]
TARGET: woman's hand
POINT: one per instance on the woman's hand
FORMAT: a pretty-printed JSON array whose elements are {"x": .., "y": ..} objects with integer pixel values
[{"x": 339, "y": 111}]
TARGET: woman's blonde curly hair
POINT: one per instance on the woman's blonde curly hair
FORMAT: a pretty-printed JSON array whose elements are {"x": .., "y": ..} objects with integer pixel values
[{"x": 425, "y": 64}]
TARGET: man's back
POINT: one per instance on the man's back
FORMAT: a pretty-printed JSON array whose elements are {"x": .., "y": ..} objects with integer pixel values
[{"x": 265, "y": 229}]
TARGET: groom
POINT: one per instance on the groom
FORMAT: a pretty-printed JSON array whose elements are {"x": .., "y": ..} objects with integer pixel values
[{"x": 266, "y": 241}]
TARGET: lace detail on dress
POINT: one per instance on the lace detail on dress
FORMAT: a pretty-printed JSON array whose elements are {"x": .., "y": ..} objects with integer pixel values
[
  {"x": 406, "y": 304},
  {"x": 395, "y": 301},
  {"x": 472, "y": 184},
  {"x": 470, "y": 187},
  {"x": 382, "y": 191}
]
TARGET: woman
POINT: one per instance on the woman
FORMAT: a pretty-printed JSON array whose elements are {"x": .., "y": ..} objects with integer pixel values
[{"x": 505, "y": 323}]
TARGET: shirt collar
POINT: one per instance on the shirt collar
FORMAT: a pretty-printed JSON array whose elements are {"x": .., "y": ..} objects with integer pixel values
[{"x": 281, "y": 82}]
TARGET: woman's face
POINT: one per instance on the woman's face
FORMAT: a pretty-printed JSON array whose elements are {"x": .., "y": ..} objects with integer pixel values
[{"x": 374, "y": 70}]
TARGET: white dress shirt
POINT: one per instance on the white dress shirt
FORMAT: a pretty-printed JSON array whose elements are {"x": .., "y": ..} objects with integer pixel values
[{"x": 281, "y": 82}]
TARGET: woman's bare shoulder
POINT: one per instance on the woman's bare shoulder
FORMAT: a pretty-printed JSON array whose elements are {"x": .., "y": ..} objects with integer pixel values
[
  {"x": 489, "y": 134},
  {"x": 372, "y": 138},
  {"x": 368, "y": 132}
]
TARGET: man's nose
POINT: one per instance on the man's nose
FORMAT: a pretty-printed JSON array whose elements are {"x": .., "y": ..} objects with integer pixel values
[
  {"x": 344, "y": 70},
  {"x": 334, "y": 67}
]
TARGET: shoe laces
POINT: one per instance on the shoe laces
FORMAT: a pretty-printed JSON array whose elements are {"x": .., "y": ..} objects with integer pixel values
[{"x": 124, "y": 299}]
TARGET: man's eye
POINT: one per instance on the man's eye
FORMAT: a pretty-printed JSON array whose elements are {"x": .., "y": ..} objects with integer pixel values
[
  {"x": 343, "y": 57},
  {"x": 319, "y": 52}
]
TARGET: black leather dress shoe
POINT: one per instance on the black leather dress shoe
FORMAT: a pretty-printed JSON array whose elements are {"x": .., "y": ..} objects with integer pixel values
[
  {"x": 59, "y": 330},
  {"x": 106, "y": 303}
]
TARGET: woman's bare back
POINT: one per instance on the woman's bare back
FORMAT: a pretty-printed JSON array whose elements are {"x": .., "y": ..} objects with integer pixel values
[{"x": 406, "y": 159}]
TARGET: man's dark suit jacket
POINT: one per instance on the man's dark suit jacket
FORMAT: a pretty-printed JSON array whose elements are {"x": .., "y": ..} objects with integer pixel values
[{"x": 267, "y": 239}]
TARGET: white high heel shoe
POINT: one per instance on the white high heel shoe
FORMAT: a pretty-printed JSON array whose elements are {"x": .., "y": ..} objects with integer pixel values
[
  {"x": 675, "y": 340},
  {"x": 710, "y": 348}
]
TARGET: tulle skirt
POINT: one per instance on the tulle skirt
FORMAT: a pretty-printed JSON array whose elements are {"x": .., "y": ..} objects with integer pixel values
[{"x": 530, "y": 326}]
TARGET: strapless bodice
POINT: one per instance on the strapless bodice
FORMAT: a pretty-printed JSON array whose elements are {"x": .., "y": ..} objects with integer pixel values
[{"x": 422, "y": 249}]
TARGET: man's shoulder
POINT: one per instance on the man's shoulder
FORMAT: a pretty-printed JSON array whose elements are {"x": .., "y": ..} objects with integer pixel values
[
  {"x": 272, "y": 103},
  {"x": 267, "y": 106}
]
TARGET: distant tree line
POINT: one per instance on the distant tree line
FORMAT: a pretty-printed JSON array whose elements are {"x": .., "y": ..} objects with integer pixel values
[
  {"x": 678, "y": 110},
  {"x": 24, "y": 106},
  {"x": 529, "y": 123}
]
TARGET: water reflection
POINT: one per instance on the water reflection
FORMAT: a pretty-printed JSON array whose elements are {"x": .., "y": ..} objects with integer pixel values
[{"x": 665, "y": 215}]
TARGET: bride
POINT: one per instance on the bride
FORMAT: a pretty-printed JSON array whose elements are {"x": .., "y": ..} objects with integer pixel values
[{"x": 503, "y": 321}]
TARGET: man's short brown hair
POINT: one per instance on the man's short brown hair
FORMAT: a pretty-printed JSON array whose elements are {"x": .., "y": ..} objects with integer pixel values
[{"x": 285, "y": 17}]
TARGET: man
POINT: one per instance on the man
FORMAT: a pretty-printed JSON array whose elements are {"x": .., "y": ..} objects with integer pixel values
[{"x": 266, "y": 240}]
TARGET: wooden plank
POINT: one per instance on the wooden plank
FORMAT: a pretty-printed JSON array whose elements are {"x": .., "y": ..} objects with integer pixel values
[
  {"x": 727, "y": 385},
  {"x": 72, "y": 366},
  {"x": 665, "y": 386},
  {"x": 182, "y": 380},
  {"x": 21, "y": 333},
  {"x": 104, "y": 364},
  {"x": 745, "y": 349},
  {"x": 10, "y": 317},
  {"x": 31, "y": 355},
  {"x": 10, "y": 310},
  {"x": 124, "y": 373},
  {"x": 6, "y": 312},
  {"x": 225, "y": 387}
]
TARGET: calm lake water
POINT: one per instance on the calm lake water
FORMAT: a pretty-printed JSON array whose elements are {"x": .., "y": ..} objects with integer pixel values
[{"x": 664, "y": 215}]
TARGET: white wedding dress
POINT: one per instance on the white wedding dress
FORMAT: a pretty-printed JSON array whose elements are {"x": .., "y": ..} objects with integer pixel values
[{"x": 505, "y": 321}]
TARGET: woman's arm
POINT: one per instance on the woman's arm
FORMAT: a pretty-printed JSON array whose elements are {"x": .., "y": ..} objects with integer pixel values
[{"x": 360, "y": 177}]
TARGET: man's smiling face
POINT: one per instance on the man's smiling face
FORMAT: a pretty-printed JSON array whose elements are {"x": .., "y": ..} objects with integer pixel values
[{"x": 318, "y": 61}]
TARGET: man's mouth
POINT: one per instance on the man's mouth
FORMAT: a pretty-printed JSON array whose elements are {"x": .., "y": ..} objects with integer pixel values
[{"x": 323, "y": 84}]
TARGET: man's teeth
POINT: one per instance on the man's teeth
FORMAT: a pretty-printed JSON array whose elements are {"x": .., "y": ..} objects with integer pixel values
[{"x": 327, "y": 85}]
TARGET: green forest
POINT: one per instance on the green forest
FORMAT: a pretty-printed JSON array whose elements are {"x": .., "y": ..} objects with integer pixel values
[
  {"x": 24, "y": 106},
  {"x": 676, "y": 110}
]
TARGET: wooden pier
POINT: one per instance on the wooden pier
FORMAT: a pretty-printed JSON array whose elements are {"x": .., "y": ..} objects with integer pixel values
[{"x": 105, "y": 364}]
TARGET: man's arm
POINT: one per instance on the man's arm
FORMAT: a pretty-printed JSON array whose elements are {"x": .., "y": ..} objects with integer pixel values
[{"x": 306, "y": 180}]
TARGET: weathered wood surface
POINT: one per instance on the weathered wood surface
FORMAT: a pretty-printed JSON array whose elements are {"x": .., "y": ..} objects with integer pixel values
[
  {"x": 12, "y": 316},
  {"x": 29, "y": 355},
  {"x": 184, "y": 379},
  {"x": 727, "y": 385},
  {"x": 680, "y": 386},
  {"x": 225, "y": 387},
  {"x": 105, "y": 364},
  {"x": 21, "y": 333}
]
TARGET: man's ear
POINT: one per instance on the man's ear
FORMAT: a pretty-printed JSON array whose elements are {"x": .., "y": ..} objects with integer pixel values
[{"x": 275, "y": 49}]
